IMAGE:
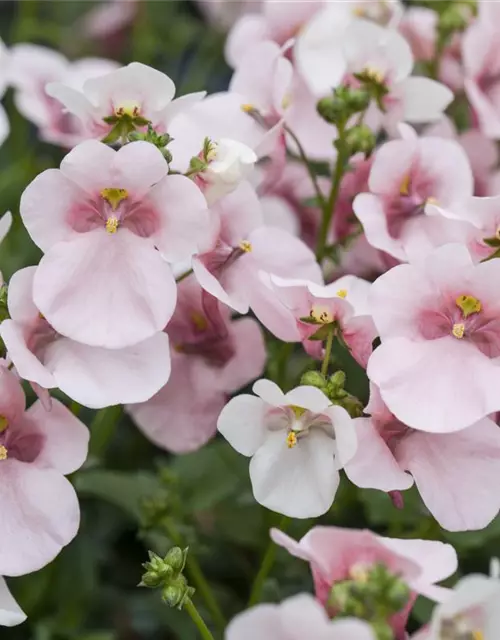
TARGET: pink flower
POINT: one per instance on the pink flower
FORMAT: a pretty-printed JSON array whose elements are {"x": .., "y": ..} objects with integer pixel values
[
  {"x": 109, "y": 18},
  {"x": 439, "y": 321},
  {"x": 107, "y": 221},
  {"x": 40, "y": 508},
  {"x": 11, "y": 613},
  {"x": 92, "y": 376},
  {"x": 454, "y": 472},
  {"x": 134, "y": 93},
  {"x": 481, "y": 59},
  {"x": 406, "y": 176},
  {"x": 212, "y": 358},
  {"x": 337, "y": 554},
  {"x": 298, "y": 441},
  {"x": 244, "y": 252},
  {"x": 296, "y": 618},
  {"x": 31, "y": 68},
  {"x": 4, "y": 80},
  {"x": 277, "y": 22},
  {"x": 340, "y": 306}
]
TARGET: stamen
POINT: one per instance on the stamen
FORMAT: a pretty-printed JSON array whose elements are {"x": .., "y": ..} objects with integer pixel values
[
  {"x": 374, "y": 74},
  {"x": 3, "y": 453},
  {"x": 114, "y": 196},
  {"x": 432, "y": 200},
  {"x": 4, "y": 423},
  {"x": 247, "y": 108},
  {"x": 291, "y": 440},
  {"x": 468, "y": 305},
  {"x": 458, "y": 330},
  {"x": 322, "y": 315},
  {"x": 287, "y": 101},
  {"x": 342, "y": 293},
  {"x": 112, "y": 224},
  {"x": 199, "y": 321},
  {"x": 128, "y": 108},
  {"x": 359, "y": 572},
  {"x": 404, "y": 189},
  {"x": 245, "y": 246}
]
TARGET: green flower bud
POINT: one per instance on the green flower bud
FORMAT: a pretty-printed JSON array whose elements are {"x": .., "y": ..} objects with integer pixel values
[
  {"x": 176, "y": 592},
  {"x": 337, "y": 380},
  {"x": 397, "y": 595},
  {"x": 358, "y": 100},
  {"x": 331, "y": 109},
  {"x": 382, "y": 630},
  {"x": 176, "y": 559},
  {"x": 313, "y": 379},
  {"x": 360, "y": 139}
]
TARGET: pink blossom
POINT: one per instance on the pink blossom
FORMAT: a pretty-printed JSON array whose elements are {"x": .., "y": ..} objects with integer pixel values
[
  {"x": 128, "y": 93},
  {"x": 213, "y": 356},
  {"x": 37, "y": 449},
  {"x": 298, "y": 441},
  {"x": 337, "y": 554},
  {"x": 243, "y": 254},
  {"x": 454, "y": 472},
  {"x": 439, "y": 321},
  {"x": 406, "y": 176},
  {"x": 340, "y": 306},
  {"x": 92, "y": 376},
  {"x": 11, "y": 613},
  {"x": 31, "y": 68},
  {"x": 223, "y": 14},
  {"x": 107, "y": 222},
  {"x": 4, "y": 80},
  {"x": 276, "y": 21},
  {"x": 296, "y": 618},
  {"x": 108, "y": 18},
  {"x": 481, "y": 59}
]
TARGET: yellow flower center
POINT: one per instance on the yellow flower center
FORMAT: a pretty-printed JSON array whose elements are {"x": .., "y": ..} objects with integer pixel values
[
  {"x": 4, "y": 423},
  {"x": 404, "y": 189},
  {"x": 298, "y": 411},
  {"x": 359, "y": 572},
  {"x": 199, "y": 321},
  {"x": 477, "y": 635},
  {"x": 342, "y": 293},
  {"x": 374, "y": 74},
  {"x": 247, "y": 108},
  {"x": 3, "y": 453},
  {"x": 291, "y": 440},
  {"x": 322, "y": 315},
  {"x": 245, "y": 246},
  {"x": 128, "y": 108},
  {"x": 287, "y": 101},
  {"x": 468, "y": 305},
  {"x": 112, "y": 224},
  {"x": 114, "y": 196},
  {"x": 458, "y": 330}
]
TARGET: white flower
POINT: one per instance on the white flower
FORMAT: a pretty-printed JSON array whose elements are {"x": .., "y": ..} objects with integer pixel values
[
  {"x": 471, "y": 611},
  {"x": 230, "y": 162},
  {"x": 11, "y": 613},
  {"x": 298, "y": 442},
  {"x": 296, "y": 618}
]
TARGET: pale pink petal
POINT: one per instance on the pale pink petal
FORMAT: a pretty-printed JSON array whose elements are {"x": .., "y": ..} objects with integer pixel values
[
  {"x": 72, "y": 100},
  {"x": 269, "y": 309},
  {"x": 11, "y": 613},
  {"x": 455, "y": 473},
  {"x": 97, "y": 377},
  {"x": 246, "y": 32},
  {"x": 180, "y": 105},
  {"x": 269, "y": 392},
  {"x": 40, "y": 516},
  {"x": 12, "y": 400},
  {"x": 346, "y": 441},
  {"x": 373, "y": 465},
  {"x": 108, "y": 290},
  {"x": 90, "y": 166},
  {"x": 241, "y": 422},
  {"x": 393, "y": 161},
  {"x": 250, "y": 356},
  {"x": 65, "y": 437},
  {"x": 424, "y": 99},
  {"x": 237, "y": 300},
  {"x": 308, "y": 397},
  {"x": 45, "y": 207},
  {"x": 263, "y": 622},
  {"x": 21, "y": 306},
  {"x": 240, "y": 213},
  {"x": 137, "y": 166},
  {"x": 5, "y": 224},
  {"x": 487, "y": 112},
  {"x": 359, "y": 334},
  {"x": 370, "y": 212},
  {"x": 184, "y": 219}
]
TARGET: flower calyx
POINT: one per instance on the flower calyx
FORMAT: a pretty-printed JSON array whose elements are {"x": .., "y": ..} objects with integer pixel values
[{"x": 167, "y": 574}]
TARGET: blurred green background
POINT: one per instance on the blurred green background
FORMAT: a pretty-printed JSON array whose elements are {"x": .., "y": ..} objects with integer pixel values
[{"x": 133, "y": 496}]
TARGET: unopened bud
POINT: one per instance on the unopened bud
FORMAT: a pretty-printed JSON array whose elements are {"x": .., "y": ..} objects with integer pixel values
[
  {"x": 398, "y": 595},
  {"x": 360, "y": 139},
  {"x": 331, "y": 109},
  {"x": 176, "y": 592},
  {"x": 176, "y": 559},
  {"x": 313, "y": 379},
  {"x": 382, "y": 630},
  {"x": 358, "y": 100}
]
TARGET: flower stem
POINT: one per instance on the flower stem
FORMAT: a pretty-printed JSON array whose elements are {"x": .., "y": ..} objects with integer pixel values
[
  {"x": 205, "y": 632},
  {"x": 329, "y": 207},
  {"x": 197, "y": 578},
  {"x": 102, "y": 429},
  {"x": 328, "y": 351},
  {"x": 266, "y": 566},
  {"x": 310, "y": 170}
]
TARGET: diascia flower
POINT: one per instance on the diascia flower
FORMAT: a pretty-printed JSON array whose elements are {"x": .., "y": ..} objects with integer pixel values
[
  {"x": 92, "y": 376},
  {"x": 40, "y": 513},
  {"x": 439, "y": 321},
  {"x": 294, "y": 619},
  {"x": 11, "y": 613},
  {"x": 298, "y": 441},
  {"x": 337, "y": 554},
  {"x": 108, "y": 221},
  {"x": 455, "y": 473},
  {"x": 212, "y": 357}
]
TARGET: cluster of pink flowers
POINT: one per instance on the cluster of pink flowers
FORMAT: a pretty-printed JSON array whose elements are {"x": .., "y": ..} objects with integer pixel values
[{"x": 169, "y": 218}]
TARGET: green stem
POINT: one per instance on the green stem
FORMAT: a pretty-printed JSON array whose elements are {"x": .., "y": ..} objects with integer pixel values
[
  {"x": 102, "y": 429},
  {"x": 75, "y": 408},
  {"x": 310, "y": 170},
  {"x": 197, "y": 578},
  {"x": 329, "y": 208},
  {"x": 205, "y": 632},
  {"x": 328, "y": 351},
  {"x": 266, "y": 566}
]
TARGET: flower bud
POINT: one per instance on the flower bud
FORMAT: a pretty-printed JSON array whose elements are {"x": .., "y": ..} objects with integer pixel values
[
  {"x": 176, "y": 559},
  {"x": 360, "y": 139},
  {"x": 331, "y": 109},
  {"x": 176, "y": 592},
  {"x": 382, "y": 630},
  {"x": 313, "y": 379}
]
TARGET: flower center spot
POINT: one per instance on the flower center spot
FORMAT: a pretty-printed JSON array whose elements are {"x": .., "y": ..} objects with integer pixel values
[
  {"x": 4, "y": 423},
  {"x": 342, "y": 293},
  {"x": 128, "y": 108},
  {"x": 458, "y": 330},
  {"x": 322, "y": 315},
  {"x": 114, "y": 196},
  {"x": 404, "y": 189},
  {"x": 468, "y": 305},
  {"x": 245, "y": 246},
  {"x": 3, "y": 453},
  {"x": 291, "y": 439}
]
